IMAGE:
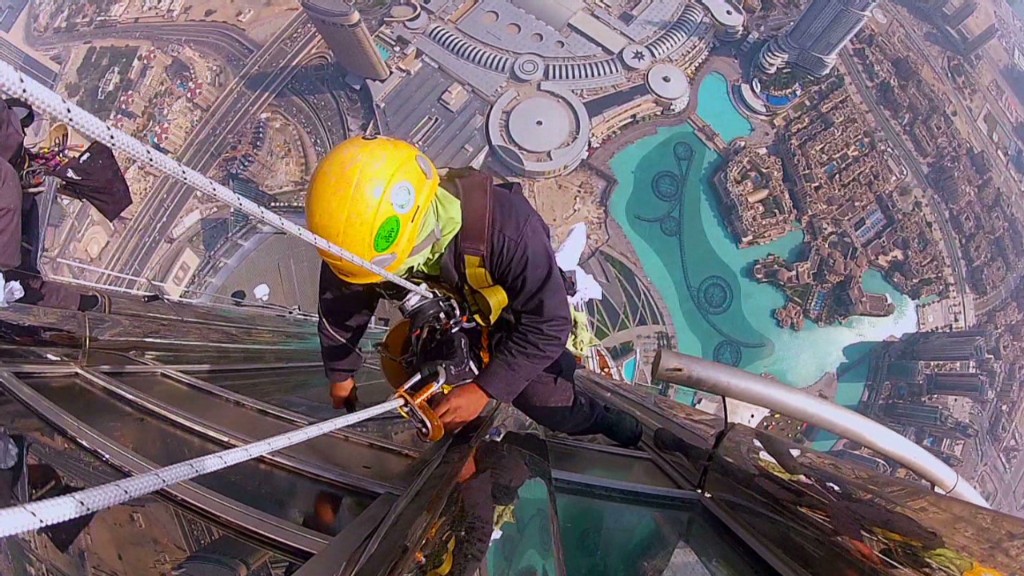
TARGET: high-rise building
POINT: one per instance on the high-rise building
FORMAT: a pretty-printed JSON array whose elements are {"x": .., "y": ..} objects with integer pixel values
[
  {"x": 961, "y": 14},
  {"x": 916, "y": 414},
  {"x": 949, "y": 458},
  {"x": 346, "y": 35},
  {"x": 987, "y": 35},
  {"x": 927, "y": 417},
  {"x": 814, "y": 41},
  {"x": 903, "y": 371},
  {"x": 967, "y": 384},
  {"x": 946, "y": 346}
]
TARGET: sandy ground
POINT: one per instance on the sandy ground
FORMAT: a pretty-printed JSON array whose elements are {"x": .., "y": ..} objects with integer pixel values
[
  {"x": 266, "y": 19},
  {"x": 568, "y": 200}
]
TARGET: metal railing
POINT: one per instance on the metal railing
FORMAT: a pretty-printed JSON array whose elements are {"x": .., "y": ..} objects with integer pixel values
[{"x": 737, "y": 384}]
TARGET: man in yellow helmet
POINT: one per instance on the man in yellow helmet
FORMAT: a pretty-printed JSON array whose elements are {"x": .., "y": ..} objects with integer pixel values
[{"x": 382, "y": 200}]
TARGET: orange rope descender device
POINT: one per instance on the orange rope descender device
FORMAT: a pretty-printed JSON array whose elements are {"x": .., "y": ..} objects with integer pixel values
[{"x": 426, "y": 354}]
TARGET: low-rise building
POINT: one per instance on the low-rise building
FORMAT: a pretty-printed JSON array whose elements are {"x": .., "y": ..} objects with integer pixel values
[{"x": 757, "y": 206}]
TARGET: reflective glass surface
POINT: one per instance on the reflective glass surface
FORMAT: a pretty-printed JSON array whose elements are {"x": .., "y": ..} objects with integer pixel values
[
  {"x": 263, "y": 487},
  {"x": 146, "y": 536},
  {"x": 603, "y": 536}
]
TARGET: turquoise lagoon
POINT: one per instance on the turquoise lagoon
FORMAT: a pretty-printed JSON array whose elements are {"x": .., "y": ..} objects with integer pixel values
[
  {"x": 667, "y": 206},
  {"x": 715, "y": 107}
]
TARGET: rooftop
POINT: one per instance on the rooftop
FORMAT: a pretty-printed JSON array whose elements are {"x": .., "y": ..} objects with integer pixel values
[
  {"x": 668, "y": 82},
  {"x": 10, "y": 10},
  {"x": 555, "y": 13},
  {"x": 504, "y": 25},
  {"x": 540, "y": 124},
  {"x": 329, "y": 8},
  {"x": 448, "y": 129},
  {"x": 724, "y": 12},
  {"x": 643, "y": 22}
]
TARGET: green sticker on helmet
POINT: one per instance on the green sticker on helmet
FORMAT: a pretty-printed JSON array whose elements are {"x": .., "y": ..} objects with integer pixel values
[{"x": 387, "y": 234}]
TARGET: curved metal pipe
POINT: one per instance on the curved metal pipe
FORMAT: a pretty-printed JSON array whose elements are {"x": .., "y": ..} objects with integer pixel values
[{"x": 730, "y": 382}]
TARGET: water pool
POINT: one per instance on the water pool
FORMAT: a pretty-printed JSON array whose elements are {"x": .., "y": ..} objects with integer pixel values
[
  {"x": 715, "y": 107},
  {"x": 667, "y": 206}
]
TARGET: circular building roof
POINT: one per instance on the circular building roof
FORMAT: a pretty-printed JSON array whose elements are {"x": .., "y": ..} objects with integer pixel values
[
  {"x": 636, "y": 57},
  {"x": 668, "y": 82},
  {"x": 540, "y": 124},
  {"x": 402, "y": 11},
  {"x": 528, "y": 68},
  {"x": 539, "y": 134},
  {"x": 419, "y": 22}
]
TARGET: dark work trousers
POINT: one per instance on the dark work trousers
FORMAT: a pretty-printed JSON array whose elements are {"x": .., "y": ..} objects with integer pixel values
[
  {"x": 37, "y": 291},
  {"x": 552, "y": 400}
]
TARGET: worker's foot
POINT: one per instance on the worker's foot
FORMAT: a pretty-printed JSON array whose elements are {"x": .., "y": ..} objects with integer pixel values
[
  {"x": 621, "y": 428},
  {"x": 345, "y": 395}
]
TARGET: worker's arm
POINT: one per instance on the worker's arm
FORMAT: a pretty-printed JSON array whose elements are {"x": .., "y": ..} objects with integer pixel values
[
  {"x": 524, "y": 265},
  {"x": 345, "y": 312}
]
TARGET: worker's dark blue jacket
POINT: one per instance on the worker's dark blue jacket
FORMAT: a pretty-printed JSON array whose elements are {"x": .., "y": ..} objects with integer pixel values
[{"x": 519, "y": 258}]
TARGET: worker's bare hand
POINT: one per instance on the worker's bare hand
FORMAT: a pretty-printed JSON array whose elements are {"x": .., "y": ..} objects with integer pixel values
[
  {"x": 461, "y": 406},
  {"x": 343, "y": 395}
]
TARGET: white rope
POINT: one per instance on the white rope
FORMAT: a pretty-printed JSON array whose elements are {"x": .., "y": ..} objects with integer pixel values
[
  {"x": 35, "y": 515},
  {"x": 49, "y": 102},
  {"x": 232, "y": 303}
]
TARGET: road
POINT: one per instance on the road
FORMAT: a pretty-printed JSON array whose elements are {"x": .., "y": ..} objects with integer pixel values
[
  {"x": 167, "y": 199},
  {"x": 321, "y": 116},
  {"x": 1002, "y": 177},
  {"x": 910, "y": 159},
  {"x": 226, "y": 42},
  {"x": 1002, "y": 481}
]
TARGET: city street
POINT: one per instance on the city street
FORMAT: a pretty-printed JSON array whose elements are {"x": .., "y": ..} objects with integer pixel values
[
  {"x": 1003, "y": 177},
  {"x": 136, "y": 250},
  {"x": 920, "y": 178},
  {"x": 272, "y": 65},
  {"x": 224, "y": 42}
]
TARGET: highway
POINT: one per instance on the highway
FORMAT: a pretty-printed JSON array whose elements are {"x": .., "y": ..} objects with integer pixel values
[
  {"x": 167, "y": 199},
  {"x": 274, "y": 67},
  {"x": 311, "y": 86},
  {"x": 896, "y": 138},
  {"x": 226, "y": 42}
]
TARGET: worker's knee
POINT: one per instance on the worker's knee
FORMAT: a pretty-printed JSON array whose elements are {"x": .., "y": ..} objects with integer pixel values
[{"x": 556, "y": 404}]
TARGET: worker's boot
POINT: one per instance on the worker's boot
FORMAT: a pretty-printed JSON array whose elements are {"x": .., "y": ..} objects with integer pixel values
[{"x": 619, "y": 427}]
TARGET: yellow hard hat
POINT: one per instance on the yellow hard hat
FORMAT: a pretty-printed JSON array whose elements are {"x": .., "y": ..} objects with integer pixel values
[{"x": 368, "y": 196}]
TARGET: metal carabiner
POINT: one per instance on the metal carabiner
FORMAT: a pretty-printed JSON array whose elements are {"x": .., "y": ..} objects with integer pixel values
[{"x": 417, "y": 404}]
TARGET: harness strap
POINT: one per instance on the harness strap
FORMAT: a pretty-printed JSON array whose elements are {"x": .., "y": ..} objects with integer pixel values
[{"x": 485, "y": 297}]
